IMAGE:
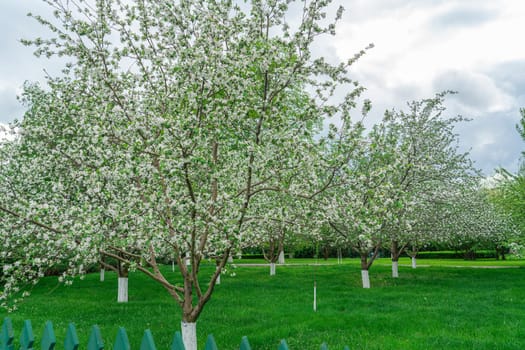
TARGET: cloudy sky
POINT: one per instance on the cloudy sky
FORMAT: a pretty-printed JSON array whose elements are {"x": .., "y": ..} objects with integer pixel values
[{"x": 422, "y": 47}]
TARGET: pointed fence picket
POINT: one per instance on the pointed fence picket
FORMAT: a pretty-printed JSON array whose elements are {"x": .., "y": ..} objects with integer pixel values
[
  {"x": 71, "y": 341},
  {"x": 48, "y": 340},
  {"x": 27, "y": 338},
  {"x": 95, "y": 339},
  {"x": 6, "y": 335}
]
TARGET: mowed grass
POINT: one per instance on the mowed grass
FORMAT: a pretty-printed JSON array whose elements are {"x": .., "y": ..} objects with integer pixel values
[{"x": 433, "y": 307}]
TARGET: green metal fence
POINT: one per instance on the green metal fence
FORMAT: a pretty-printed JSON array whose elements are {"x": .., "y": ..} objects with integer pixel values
[{"x": 48, "y": 340}]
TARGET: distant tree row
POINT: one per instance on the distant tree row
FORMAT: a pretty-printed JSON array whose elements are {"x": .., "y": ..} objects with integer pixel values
[{"x": 508, "y": 194}]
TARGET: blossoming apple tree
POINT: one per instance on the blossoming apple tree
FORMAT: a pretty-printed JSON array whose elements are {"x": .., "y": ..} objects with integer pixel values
[
  {"x": 170, "y": 122},
  {"x": 358, "y": 210},
  {"x": 430, "y": 160},
  {"x": 473, "y": 222},
  {"x": 509, "y": 192},
  {"x": 395, "y": 172}
]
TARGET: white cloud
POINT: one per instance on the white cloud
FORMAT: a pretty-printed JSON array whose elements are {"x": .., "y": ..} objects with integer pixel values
[
  {"x": 478, "y": 93},
  {"x": 493, "y": 141},
  {"x": 10, "y": 108},
  {"x": 425, "y": 46}
]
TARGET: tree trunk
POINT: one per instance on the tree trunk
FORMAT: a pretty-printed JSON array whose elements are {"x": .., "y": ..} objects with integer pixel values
[
  {"x": 395, "y": 269},
  {"x": 189, "y": 335},
  {"x": 218, "y": 281},
  {"x": 470, "y": 255},
  {"x": 102, "y": 268},
  {"x": 281, "y": 247},
  {"x": 500, "y": 252},
  {"x": 122, "y": 290},
  {"x": 326, "y": 252},
  {"x": 365, "y": 278},
  {"x": 192, "y": 305},
  {"x": 339, "y": 256},
  {"x": 413, "y": 254},
  {"x": 123, "y": 273},
  {"x": 395, "y": 252},
  {"x": 272, "y": 269},
  {"x": 281, "y": 257}
]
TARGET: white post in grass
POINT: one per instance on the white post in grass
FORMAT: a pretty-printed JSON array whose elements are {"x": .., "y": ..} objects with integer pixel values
[
  {"x": 272, "y": 269},
  {"x": 315, "y": 296},
  {"x": 414, "y": 264},
  {"x": 102, "y": 274},
  {"x": 365, "y": 278},
  {"x": 122, "y": 290},
  {"x": 395, "y": 269},
  {"x": 189, "y": 335}
]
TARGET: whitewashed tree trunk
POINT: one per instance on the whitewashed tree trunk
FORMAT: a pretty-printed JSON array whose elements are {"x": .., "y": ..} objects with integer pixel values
[
  {"x": 230, "y": 259},
  {"x": 188, "y": 259},
  {"x": 102, "y": 275},
  {"x": 189, "y": 335},
  {"x": 339, "y": 256},
  {"x": 272, "y": 269},
  {"x": 173, "y": 265},
  {"x": 414, "y": 264},
  {"x": 395, "y": 269},
  {"x": 365, "y": 278},
  {"x": 218, "y": 277},
  {"x": 281, "y": 257},
  {"x": 122, "y": 290}
]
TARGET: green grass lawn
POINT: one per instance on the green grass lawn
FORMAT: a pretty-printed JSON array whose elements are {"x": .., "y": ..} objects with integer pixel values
[{"x": 434, "y": 307}]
